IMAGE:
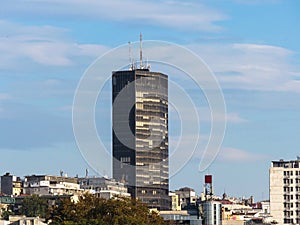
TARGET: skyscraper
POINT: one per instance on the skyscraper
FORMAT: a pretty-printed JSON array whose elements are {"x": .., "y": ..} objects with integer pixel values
[
  {"x": 285, "y": 191},
  {"x": 140, "y": 134}
]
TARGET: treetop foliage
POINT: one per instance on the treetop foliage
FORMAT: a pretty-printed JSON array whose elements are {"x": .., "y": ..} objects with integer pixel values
[{"x": 91, "y": 210}]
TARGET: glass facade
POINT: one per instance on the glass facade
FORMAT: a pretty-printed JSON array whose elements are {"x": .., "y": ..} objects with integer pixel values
[{"x": 140, "y": 134}]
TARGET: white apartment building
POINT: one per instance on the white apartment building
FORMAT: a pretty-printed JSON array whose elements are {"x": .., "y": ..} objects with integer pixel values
[
  {"x": 212, "y": 212},
  {"x": 285, "y": 191},
  {"x": 51, "y": 185},
  {"x": 103, "y": 187}
]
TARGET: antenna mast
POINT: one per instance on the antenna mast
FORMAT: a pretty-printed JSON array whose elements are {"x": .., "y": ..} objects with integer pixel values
[
  {"x": 129, "y": 55},
  {"x": 141, "y": 52}
]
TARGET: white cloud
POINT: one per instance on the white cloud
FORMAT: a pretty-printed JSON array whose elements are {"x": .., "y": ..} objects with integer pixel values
[
  {"x": 252, "y": 66},
  {"x": 235, "y": 118},
  {"x": 4, "y": 96},
  {"x": 254, "y": 2},
  {"x": 175, "y": 14},
  {"x": 229, "y": 117},
  {"x": 238, "y": 155},
  {"x": 44, "y": 45},
  {"x": 291, "y": 85},
  {"x": 236, "y": 66}
]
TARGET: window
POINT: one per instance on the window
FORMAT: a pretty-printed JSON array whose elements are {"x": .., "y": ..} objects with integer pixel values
[{"x": 125, "y": 159}]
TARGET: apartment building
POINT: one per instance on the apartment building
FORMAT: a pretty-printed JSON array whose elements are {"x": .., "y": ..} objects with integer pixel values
[
  {"x": 285, "y": 191},
  {"x": 51, "y": 185}
]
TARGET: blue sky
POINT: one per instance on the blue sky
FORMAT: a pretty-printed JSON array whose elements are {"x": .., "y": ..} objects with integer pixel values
[{"x": 251, "y": 46}]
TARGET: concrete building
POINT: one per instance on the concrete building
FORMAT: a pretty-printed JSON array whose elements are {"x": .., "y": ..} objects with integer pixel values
[
  {"x": 187, "y": 197},
  {"x": 209, "y": 209},
  {"x": 180, "y": 217},
  {"x": 233, "y": 222},
  {"x": 212, "y": 212},
  {"x": 51, "y": 185},
  {"x": 22, "y": 220},
  {"x": 103, "y": 187},
  {"x": 285, "y": 191},
  {"x": 10, "y": 185},
  {"x": 140, "y": 134},
  {"x": 175, "y": 203},
  {"x": 238, "y": 210}
]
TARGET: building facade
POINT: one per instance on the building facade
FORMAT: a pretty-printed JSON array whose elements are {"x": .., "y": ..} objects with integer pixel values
[
  {"x": 22, "y": 220},
  {"x": 187, "y": 197},
  {"x": 10, "y": 185},
  {"x": 285, "y": 191},
  {"x": 175, "y": 202},
  {"x": 140, "y": 134},
  {"x": 103, "y": 187},
  {"x": 180, "y": 217},
  {"x": 51, "y": 185},
  {"x": 212, "y": 213}
]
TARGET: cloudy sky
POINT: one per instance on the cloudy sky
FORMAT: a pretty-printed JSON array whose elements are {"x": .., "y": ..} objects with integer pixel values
[{"x": 250, "y": 46}]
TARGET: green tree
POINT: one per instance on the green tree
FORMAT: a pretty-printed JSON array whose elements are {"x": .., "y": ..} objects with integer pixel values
[
  {"x": 34, "y": 206},
  {"x": 90, "y": 210},
  {"x": 6, "y": 213}
]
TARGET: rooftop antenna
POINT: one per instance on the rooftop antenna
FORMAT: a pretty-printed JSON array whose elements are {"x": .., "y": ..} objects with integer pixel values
[
  {"x": 208, "y": 187},
  {"x": 141, "y": 52},
  {"x": 148, "y": 65},
  {"x": 130, "y": 59}
]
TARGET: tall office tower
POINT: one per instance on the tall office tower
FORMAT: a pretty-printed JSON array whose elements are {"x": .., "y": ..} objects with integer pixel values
[
  {"x": 285, "y": 191},
  {"x": 140, "y": 134}
]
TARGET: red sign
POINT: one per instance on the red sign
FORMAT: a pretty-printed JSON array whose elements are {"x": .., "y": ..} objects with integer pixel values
[{"x": 208, "y": 179}]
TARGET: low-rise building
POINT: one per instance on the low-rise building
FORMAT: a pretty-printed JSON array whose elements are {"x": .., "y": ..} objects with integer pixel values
[
  {"x": 10, "y": 185},
  {"x": 103, "y": 187},
  {"x": 51, "y": 185},
  {"x": 22, "y": 220},
  {"x": 175, "y": 203},
  {"x": 187, "y": 197},
  {"x": 235, "y": 211},
  {"x": 180, "y": 217}
]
